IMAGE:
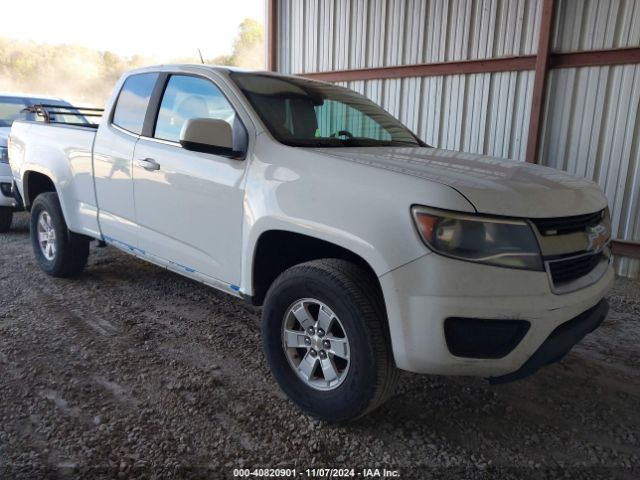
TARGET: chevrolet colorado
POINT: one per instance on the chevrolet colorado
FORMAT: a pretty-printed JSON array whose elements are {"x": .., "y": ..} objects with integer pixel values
[{"x": 369, "y": 251}]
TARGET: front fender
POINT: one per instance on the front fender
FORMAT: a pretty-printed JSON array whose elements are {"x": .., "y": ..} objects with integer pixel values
[
  {"x": 357, "y": 245},
  {"x": 364, "y": 210}
]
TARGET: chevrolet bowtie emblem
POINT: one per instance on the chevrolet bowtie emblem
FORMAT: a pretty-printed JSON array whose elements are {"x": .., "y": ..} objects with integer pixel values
[{"x": 598, "y": 237}]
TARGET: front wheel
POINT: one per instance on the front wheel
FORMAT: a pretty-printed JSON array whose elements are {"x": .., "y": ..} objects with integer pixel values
[
  {"x": 6, "y": 217},
  {"x": 58, "y": 251},
  {"x": 326, "y": 341}
]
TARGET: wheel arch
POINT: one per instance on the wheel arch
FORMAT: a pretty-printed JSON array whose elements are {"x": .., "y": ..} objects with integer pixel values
[
  {"x": 37, "y": 180},
  {"x": 34, "y": 183},
  {"x": 277, "y": 250}
]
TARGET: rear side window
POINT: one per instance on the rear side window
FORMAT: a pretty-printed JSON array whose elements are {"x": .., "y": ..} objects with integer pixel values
[{"x": 131, "y": 106}]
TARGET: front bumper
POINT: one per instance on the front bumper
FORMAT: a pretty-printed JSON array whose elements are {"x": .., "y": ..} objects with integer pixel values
[
  {"x": 561, "y": 340},
  {"x": 423, "y": 294}
]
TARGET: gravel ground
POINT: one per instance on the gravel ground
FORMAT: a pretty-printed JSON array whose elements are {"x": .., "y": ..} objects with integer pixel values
[{"x": 131, "y": 371}]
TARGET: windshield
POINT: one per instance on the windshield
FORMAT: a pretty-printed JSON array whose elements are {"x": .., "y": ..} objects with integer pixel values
[
  {"x": 13, "y": 108},
  {"x": 304, "y": 113},
  {"x": 10, "y": 110}
]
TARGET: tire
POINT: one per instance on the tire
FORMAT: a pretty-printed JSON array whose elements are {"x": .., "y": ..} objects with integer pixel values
[
  {"x": 346, "y": 293},
  {"x": 70, "y": 250},
  {"x": 6, "y": 217}
]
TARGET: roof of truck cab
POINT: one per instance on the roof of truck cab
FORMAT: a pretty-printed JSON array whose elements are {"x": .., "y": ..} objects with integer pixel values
[
  {"x": 218, "y": 68},
  {"x": 215, "y": 68},
  {"x": 225, "y": 69}
]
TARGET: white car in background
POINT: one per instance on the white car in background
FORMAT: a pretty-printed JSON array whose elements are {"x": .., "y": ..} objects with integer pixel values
[
  {"x": 369, "y": 250},
  {"x": 13, "y": 106}
]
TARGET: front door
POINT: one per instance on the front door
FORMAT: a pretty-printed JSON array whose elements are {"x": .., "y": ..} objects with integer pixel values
[{"x": 189, "y": 204}]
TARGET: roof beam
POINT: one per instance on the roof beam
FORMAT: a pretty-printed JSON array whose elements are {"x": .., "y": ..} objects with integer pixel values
[
  {"x": 504, "y": 64},
  {"x": 591, "y": 58},
  {"x": 595, "y": 58}
]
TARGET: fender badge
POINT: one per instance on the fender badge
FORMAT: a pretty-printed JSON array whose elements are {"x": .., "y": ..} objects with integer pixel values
[{"x": 598, "y": 237}]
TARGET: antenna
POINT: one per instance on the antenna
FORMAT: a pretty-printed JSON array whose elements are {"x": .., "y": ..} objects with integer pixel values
[{"x": 201, "y": 59}]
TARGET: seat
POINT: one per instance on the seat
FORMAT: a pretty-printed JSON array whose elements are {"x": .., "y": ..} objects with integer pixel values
[{"x": 305, "y": 122}]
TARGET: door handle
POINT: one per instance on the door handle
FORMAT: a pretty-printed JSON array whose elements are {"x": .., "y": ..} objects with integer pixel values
[{"x": 148, "y": 164}]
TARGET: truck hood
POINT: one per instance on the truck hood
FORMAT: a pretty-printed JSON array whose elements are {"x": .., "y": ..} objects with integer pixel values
[{"x": 492, "y": 185}]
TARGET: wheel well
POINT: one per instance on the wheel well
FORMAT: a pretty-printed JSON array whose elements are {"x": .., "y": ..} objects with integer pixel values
[
  {"x": 279, "y": 250},
  {"x": 36, "y": 183}
]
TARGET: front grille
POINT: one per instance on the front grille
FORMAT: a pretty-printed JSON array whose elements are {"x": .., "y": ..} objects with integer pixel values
[
  {"x": 565, "y": 225},
  {"x": 564, "y": 271}
]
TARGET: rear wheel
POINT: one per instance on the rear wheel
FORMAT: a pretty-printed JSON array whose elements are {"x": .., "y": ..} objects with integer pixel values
[
  {"x": 6, "y": 217},
  {"x": 326, "y": 341},
  {"x": 58, "y": 251}
]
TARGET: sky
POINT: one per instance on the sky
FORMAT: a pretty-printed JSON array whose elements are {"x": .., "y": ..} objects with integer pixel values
[{"x": 161, "y": 29}]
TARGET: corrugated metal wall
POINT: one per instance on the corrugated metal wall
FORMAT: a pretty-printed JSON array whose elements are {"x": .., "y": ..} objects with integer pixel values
[
  {"x": 592, "y": 129},
  {"x": 596, "y": 25},
  {"x": 323, "y": 35},
  {"x": 592, "y": 115},
  {"x": 591, "y": 121},
  {"x": 485, "y": 113}
]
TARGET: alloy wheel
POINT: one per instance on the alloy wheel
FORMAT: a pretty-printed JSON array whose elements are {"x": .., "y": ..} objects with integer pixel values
[
  {"x": 316, "y": 344},
  {"x": 47, "y": 236}
]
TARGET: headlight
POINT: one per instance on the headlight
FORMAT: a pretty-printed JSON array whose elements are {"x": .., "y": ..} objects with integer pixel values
[
  {"x": 4, "y": 155},
  {"x": 493, "y": 241}
]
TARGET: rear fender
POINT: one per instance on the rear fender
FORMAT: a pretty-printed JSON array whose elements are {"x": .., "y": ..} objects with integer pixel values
[{"x": 56, "y": 152}]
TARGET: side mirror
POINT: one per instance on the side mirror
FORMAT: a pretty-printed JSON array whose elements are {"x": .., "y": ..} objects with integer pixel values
[{"x": 209, "y": 135}]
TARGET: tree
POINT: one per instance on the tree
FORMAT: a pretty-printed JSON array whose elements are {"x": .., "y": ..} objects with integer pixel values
[
  {"x": 247, "y": 51},
  {"x": 80, "y": 74},
  {"x": 222, "y": 60},
  {"x": 248, "y": 48}
]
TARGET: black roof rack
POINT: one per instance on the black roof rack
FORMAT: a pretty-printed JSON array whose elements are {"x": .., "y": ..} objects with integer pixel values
[{"x": 49, "y": 113}]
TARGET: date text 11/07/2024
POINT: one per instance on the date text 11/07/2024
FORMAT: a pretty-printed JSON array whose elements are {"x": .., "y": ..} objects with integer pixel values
[{"x": 316, "y": 473}]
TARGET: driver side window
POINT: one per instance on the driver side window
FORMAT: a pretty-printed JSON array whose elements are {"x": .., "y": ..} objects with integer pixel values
[{"x": 187, "y": 97}]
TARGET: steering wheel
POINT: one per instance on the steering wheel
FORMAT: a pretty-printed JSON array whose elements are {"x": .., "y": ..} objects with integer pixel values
[{"x": 342, "y": 133}]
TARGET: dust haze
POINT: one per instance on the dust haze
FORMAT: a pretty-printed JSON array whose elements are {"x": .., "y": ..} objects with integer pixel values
[{"x": 86, "y": 77}]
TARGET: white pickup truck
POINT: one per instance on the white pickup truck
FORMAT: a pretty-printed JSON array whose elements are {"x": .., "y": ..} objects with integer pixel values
[{"x": 369, "y": 250}]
